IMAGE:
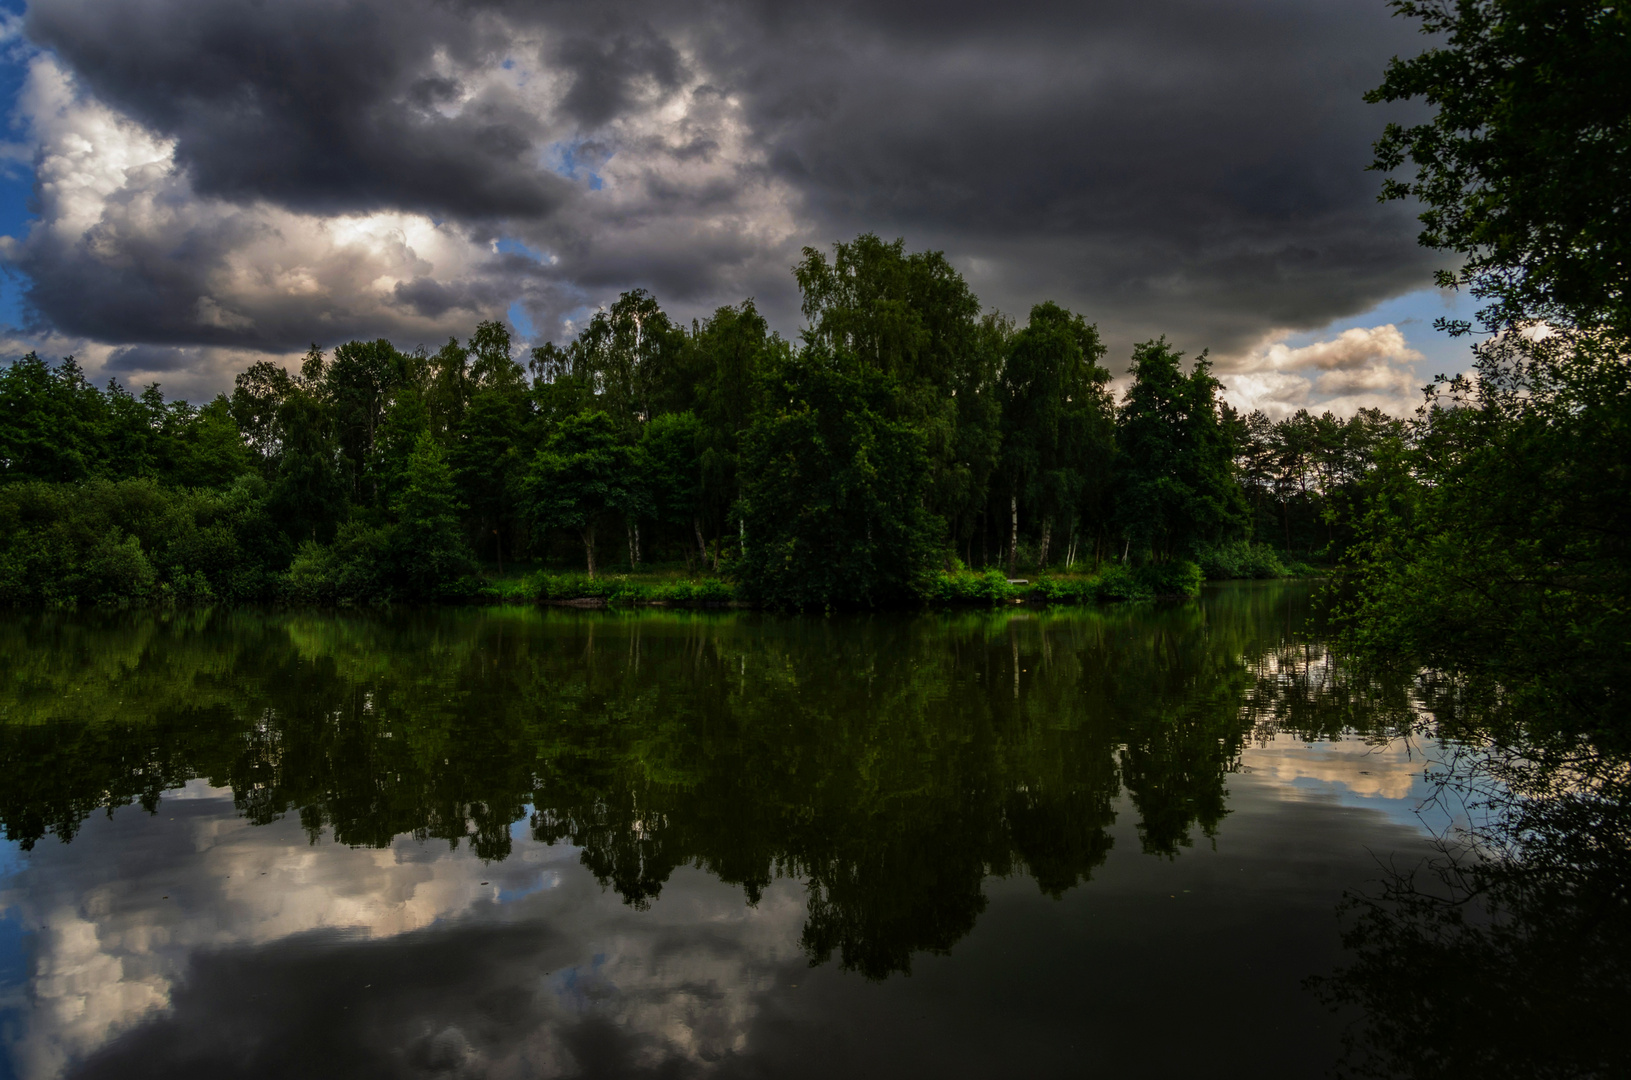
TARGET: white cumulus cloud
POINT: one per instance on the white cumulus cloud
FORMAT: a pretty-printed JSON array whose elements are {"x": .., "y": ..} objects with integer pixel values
[{"x": 1359, "y": 368}]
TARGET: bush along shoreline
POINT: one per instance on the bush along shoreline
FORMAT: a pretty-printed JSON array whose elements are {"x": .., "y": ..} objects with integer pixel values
[{"x": 133, "y": 543}]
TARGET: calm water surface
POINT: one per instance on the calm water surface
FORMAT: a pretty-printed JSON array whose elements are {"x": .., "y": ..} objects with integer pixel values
[{"x": 517, "y": 843}]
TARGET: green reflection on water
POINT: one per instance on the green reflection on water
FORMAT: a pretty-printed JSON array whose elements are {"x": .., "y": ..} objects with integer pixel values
[{"x": 894, "y": 762}]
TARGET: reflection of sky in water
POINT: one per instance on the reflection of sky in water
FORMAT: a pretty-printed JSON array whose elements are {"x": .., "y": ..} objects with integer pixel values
[
  {"x": 122, "y": 911},
  {"x": 142, "y": 920},
  {"x": 1390, "y": 777}
]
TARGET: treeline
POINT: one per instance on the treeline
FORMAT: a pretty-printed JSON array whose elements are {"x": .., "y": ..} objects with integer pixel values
[{"x": 906, "y": 434}]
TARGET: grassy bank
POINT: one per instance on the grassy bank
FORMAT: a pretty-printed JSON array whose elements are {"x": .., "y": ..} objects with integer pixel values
[{"x": 946, "y": 588}]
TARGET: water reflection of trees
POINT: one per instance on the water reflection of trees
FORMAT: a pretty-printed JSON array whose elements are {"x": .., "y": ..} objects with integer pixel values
[
  {"x": 893, "y": 763},
  {"x": 1507, "y": 953}
]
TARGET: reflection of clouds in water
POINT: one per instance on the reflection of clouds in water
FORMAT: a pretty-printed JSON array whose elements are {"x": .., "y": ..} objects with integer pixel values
[
  {"x": 130, "y": 913},
  {"x": 1391, "y": 770}
]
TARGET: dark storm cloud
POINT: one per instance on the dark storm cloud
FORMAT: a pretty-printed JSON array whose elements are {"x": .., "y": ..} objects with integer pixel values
[
  {"x": 1189, "y": 163},
  {"x": 146, "y": 359},
  {"x": 1187, "y": 167},
  {"x": 605, "y": 69},
  {"x": 318, "y": 106}
]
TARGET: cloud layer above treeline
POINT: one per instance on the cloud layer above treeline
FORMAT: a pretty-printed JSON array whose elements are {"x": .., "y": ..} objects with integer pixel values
[{"x": 244, "y": 177}]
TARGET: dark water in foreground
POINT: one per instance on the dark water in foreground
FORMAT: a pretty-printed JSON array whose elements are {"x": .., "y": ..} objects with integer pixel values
[{"x": 517, "y": 843}]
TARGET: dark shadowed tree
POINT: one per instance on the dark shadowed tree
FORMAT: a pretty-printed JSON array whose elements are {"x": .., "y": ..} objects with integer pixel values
[
  {"x": 1176, "y": 483},
  {"x": 1524, "y": 166},
  {"x": 583, "y": 475},
  {"x": 1058, "y": 423},
  {"x": 428, "y": 547},
  {"x": 834, "y": 491}
]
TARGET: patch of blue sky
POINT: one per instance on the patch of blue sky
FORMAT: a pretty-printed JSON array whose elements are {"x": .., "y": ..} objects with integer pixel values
[
  {"x": 1414, "y": 314},
  {"x": 1418, "y": 810},
  {"x": 510, "y": 246},
  {"x": 522, "y": 322},
  {"x": 16, "y": 176},
  {"x": 14, "y": 946},
  {"x": 579, "y": 985},
  {"x": 578, "y": 317},
  {"x": 546, "y": 879},
  {"x": 12, "y": 859},
  {"x": 13, "y": 950},
  {"x": 563, "y": 158}
]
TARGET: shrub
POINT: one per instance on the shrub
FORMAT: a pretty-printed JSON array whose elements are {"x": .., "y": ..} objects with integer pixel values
[
  {"x": 348, "y": 571},
  {"x": 1118, "y": 582},
  {"x": 618, "y": 591},
  {"x": 966, "y": 587},
  {"x": 1066, "y": 590},
  {"x": 1178, "y": 578},
  {"x": 1238, "y": 559}
]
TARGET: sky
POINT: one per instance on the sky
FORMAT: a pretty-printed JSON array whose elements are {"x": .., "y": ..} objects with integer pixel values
[{"x": 187, "y": 188}]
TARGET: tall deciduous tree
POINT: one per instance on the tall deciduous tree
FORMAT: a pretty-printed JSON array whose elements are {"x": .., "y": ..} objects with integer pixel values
[
  {"x": 833, "y": 491},
  {"x": 1177, "y": 484},
  {"x": 583, "y": 474},
  {"x": 308, "y": 493},
  {"x": 489, "y": 439},
  {"x": 1524, "y": 167},
  {"x": 428, "y": 545},
  {"x": 913, "y": 319},
  {"x": 1058, "y": 423}
]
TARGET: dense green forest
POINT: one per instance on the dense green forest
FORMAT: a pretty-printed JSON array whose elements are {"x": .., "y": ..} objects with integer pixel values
[{"x": 906, "y": 434}]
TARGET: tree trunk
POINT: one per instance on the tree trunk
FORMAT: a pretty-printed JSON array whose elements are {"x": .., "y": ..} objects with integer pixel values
[
  {"x": 589, "y": 548},
  {"x": 741, "y": 538},
  {"x": 1047, "y": 540},
  {"x": 498, "y": 546},
  {"x": 702, "y": 545},
  {"x": 1013, "y": 532},
  {"x": 634, "y": 554}
]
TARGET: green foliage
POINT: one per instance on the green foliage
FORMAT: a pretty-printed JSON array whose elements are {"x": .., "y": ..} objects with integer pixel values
[
  {"x": 1066, "y": 590},
  {"x": 352, "y": 569},
  {"x": 132, "y": 542},
  {"x": 1239, "y": 559},
  {"x": 673, "y": 449},
  {"x": 582, "y": 474},
  {"x": 967, "y": 587},
  {"x": 1523, "y": 166},
  {"x": 1058, "y": 423},
  {"x": 1177, "y": 485},
  {"x": 913, "y": 319},
  {"x": 308, "y": 492},
  {"x": 1118, "y": 582},
  {"x": 1495, "y": 544},
  {"x": 1178, "y": 578},
  {"x": 833, "y": 492},
  {"x": 1304, "y": 475},
  {"x": 427, "y": 549},
  {"x": 617, "y": 590}
]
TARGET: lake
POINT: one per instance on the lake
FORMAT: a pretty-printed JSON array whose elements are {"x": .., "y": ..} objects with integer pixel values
[{"x": 510, "y": 842}]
